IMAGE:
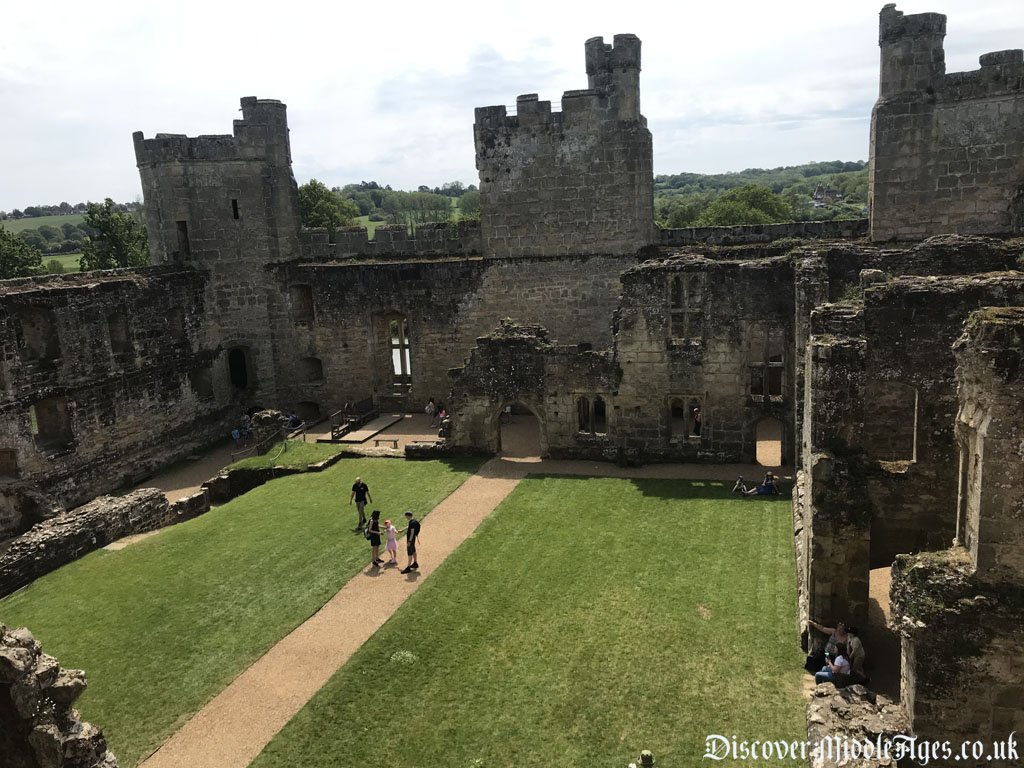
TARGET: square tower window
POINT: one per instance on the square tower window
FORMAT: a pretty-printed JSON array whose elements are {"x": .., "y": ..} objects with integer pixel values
[
  {"x": 686, "y": 306},
  {"x": 51, "y": 423},
  {"x": 184, "y": 248},
  {"x": 38, "y": 333},
  {"x": 120, "y": 341}
]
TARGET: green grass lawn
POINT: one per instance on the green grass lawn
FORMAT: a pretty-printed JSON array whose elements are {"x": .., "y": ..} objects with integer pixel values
[
  {"x": 17, "y": 225},
  {"x": 162, "y": 626},
  {"x": 70, "y": 261},
  {"x": 586, "y": 620},
  {"x": 298, "y": 454}
]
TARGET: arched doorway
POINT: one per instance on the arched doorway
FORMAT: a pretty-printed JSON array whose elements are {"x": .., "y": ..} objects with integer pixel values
[
  {"x": 238, "y": 368},
  {"x": 518, "y": 432},
  {"x": 768, "y": 434}
]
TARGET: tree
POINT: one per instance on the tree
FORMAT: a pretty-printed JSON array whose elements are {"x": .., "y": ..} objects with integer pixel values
[
  {"x": 118, "y": 239},
  {"x": 17, "y": 258},
  {"x": 749, "y": 204},
  {"x": 321, "y": 207},
  {"x": 469, "y": 205}
]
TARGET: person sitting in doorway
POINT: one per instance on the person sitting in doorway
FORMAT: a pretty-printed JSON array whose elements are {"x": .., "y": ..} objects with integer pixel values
[
  {"x": 836, "y": 669},
  {"x": 857, "y": 656},
  {"x": 294, "y": 421},
  {"x": 836, "y": 635},
  {"x": 695, "y": 431}
]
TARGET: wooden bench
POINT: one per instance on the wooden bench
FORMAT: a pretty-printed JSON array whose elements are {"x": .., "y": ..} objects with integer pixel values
[
  {"x": 351, "y": 417},
  {"x": 393, "y": 440}
]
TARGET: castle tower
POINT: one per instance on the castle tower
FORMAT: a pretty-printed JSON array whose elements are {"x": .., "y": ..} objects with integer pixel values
[
  {"x": 575, "y": 182},
  {"x": 228, "y": 205},
  {"x": 615, "y": 70},
  {"x": 913, "y": 58},
  {"x": 944, "y": 154}
]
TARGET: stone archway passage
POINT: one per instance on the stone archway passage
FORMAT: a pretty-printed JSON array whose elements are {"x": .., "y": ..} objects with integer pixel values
[
  {"x": 519, "y": 432},
  {"x": 768, "y": 434}
]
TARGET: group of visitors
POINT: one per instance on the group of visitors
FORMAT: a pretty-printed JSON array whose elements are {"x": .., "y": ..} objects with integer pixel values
[
  {"x": 242, "y": 434},
  {"x": 436, "y": 411},
  {"x": 372, "y": 530},
  {"x": 769, "y": 487},
  {"x": 840, "y": 660}
]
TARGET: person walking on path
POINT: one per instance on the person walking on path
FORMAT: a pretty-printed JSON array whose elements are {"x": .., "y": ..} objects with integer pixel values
[
  {"x": 412, "y": 535},
  {"x": 392, "y": 543},
  {"x": 360, "y": 495},
  {"x": 373, "y": 534}
]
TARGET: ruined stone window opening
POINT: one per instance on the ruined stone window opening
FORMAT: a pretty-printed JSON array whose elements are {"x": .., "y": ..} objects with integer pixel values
[
  {"x": 184, "y": 248},
  {"x": 600, "y": 420},
  {"x": 312, "y": 370},
  {"x": 766, "y": 363},
  {"x": 686, "y": 298},
  {"x": 201, "y": 381},
  {"x": 891, "y": 421},
  {"x": 120, "y": 341},
  {"x": 51, "y": 423},
  {"x": 583, "y": 415},
  {"x": 591, "y": 415},
  {"x": 8, "y": 463},
  {"x": 686, "y": 417},
  {"x": 234, "y": 208},
  {"x": 39, "y": 334},
  {"x": 302, "y": 301},
  {"x": 401, "y": 361},
  {"x": 238, "y": 368}
]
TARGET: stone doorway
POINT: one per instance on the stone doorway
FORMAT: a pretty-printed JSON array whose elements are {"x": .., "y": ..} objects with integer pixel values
[
  {"x": 518, "y": 432},
  {"x": 768, "y": 436}
]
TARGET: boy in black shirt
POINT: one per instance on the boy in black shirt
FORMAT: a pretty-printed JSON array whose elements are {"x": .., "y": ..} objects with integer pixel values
[{"x": 412, "y": 534}]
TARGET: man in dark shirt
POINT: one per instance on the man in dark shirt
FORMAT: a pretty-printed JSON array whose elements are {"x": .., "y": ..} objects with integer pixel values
[
  {"x": 360, "y": 494},
  {"x": 412, "y": 534}
]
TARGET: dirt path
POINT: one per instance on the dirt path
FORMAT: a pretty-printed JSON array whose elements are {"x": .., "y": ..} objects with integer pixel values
[{"x": 235, "y": 726}]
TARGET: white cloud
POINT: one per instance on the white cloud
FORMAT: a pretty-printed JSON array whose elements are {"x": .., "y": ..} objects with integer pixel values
[{"x": 387, "y": 91}]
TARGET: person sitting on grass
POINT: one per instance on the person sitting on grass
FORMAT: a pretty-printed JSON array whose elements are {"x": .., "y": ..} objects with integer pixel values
[
  {"x": 767, "y": 488},
  {"x": 837, "y": 670}
]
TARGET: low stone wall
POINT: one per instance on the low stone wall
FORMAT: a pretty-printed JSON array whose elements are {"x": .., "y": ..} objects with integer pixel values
[
  {"x": 68, "y": 537},
  {"x": 838, "y": 718},
  {"x": 764, "y": 233},
  {"x": 38, "y": 727}
]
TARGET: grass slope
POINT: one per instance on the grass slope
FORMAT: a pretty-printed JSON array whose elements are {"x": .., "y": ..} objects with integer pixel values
[
  {"x": 162, "y": 626},
  {"x": 17, "y": 225},
  {"x": 588, "y": 619},
  {"x": 298, "y": 454}
]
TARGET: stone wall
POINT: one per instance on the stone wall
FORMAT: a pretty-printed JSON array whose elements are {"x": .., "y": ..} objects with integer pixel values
[
  {"x": 962, "y": 673},
  {"x": 460, "y": 238},
  {"x": 67, "y": 537},
  {"x": 947, "y": 150},
  {"x": 764, "y": 233},
  {"x": 101, "y": 382},
  {"x": 574, "y": 182},
  {"x": 228, "y": 205},
  {"x": 38, "y": 727},
  {"x": 447, "y": 303}
]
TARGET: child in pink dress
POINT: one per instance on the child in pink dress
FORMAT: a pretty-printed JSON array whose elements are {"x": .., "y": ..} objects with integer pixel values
[{"x": 392, "y": 545}]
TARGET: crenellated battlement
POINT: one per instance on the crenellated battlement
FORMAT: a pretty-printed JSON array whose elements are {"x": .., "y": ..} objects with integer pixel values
[
  {"x": 575, "y": 180},
  {"x": 947, "y": 150},
  {"x": 261, "y": 135}
]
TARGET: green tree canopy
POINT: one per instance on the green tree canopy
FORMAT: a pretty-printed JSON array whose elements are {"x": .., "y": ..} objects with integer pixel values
[
  {"x": 322, "y": 207},
  {"x": 469, "y": 205},
  {"x": 412, "y": 208},
  {"x": 749, "y": 204},
  {"x": 118, "y": 239},
  {"x": 18, "y": 258}
]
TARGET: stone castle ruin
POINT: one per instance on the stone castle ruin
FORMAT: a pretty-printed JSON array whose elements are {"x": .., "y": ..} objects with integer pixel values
[{"x": 881, "y": 359}]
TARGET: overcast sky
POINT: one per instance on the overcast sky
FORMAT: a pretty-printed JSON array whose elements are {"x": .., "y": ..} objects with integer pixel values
[{"x": 386, "y": 91}]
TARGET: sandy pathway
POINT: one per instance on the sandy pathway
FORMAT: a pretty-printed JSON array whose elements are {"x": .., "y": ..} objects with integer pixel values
[{"x": 235, "y": 726}]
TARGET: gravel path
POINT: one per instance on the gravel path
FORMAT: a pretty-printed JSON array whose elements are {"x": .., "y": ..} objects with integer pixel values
[{"x": 235, "y": 726}]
